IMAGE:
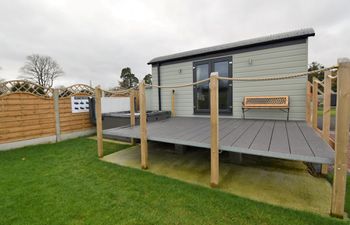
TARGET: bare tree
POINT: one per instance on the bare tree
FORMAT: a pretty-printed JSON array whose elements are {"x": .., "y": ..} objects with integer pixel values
[{"x": 42, "y": 70}]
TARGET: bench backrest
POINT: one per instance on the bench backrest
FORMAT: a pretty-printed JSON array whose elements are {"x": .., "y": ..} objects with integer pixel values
[{"x": 266, "y": 101}]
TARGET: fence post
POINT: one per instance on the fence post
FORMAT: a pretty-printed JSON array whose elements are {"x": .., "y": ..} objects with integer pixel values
[
  {"x": 342, "y": 138},
  {"x": 314, "y": 103},
  {"x": 132, "y": 112},
  {"x": 326, "y": 113},
  {"x": 214, "y": 132},
  {"x": 173, "y": 103},
  {"x": 143, "y": 126},
  {"x": 57, "y": 114},
  {"x": 98, "y": 94},
  {"x": 308, "y": 102}
]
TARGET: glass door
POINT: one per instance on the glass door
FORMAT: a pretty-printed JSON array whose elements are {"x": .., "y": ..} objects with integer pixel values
[
  {"x": 224, "y": 68},
  {"x": 201, "y": 92}
]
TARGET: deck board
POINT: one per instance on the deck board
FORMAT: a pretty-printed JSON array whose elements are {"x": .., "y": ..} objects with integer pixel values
[
  {"x": 191, "y": 129},
  {"x": 249, "y": 135},
  {"x": 197, "y": 132},
  {"x": 313, "y": 140},
  {"x": 177, "y": 126},
  {"x": 225, "y": 131},
  {"x": 236, "y": 133},
  {"x": 205, "y": 133},
  {"x": 225, "y": 126},
  {"x": 278, "y": 139},
  {"x": 297, "y": 141},
  {"x": 263, "y": 138}
]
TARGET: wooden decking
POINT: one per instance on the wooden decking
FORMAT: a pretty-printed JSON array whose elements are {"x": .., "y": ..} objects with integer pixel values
[{"x": 278, "y": 139}]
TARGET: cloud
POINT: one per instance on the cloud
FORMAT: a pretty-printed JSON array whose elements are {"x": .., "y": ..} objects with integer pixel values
[{"x": 93, "y": 40}]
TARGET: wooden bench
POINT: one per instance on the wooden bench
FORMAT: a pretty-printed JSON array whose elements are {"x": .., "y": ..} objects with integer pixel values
[{"x": 266, "y": 102}]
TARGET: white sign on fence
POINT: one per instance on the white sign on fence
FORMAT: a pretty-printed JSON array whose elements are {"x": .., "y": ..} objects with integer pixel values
[
  {"x": 80, "y": 104},
  {"x": 115, "y": 104}
]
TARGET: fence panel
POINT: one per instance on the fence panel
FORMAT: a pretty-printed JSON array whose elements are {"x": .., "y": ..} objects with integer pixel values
[
  {"x": 25, "y": 116},
  {"x": 27, "y": 112}
]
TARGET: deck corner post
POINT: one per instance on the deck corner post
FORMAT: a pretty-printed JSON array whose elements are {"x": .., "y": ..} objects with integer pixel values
[
  {"x": 132, "y": 112},
  {"x": 314, "y": 103},
  {"x": 173, "y": 103},
  {"x": 326, "y": 118},
  {"x": 143, "y": 126},
  {"x": 214, "y": 132},
  {"x": 342, "y": 138},
  {"x": 98, "y": 95},
  {"x": 57, "y": 114}
]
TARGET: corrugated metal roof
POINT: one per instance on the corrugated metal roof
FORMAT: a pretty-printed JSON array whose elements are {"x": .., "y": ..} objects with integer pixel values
[{"x": 302, "y": 33}]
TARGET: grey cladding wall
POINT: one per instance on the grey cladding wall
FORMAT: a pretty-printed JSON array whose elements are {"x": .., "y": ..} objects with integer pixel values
[{"x": 270, "y": 61}]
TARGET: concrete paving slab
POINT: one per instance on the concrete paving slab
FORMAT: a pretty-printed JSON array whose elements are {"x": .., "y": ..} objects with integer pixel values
[{"x": 278, "y": 182}]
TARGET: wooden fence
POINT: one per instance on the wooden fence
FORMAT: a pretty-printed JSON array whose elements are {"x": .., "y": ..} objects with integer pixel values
[{"x": 29, "y": 111}]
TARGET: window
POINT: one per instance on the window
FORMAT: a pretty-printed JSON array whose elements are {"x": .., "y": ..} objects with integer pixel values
[{"x": 201, "y": 93}]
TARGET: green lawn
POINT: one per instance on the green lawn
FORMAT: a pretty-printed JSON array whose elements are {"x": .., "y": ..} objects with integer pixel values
[
  {"x": 320, "y": 111},
  {"x": 65, "y": 183}
]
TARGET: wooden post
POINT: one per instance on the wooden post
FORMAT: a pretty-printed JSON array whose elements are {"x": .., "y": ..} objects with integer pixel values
[
  {"x": 342, "y": 138},
  {"x": 143, "y": 126},
  {"x": 308, "y": 102},
  {"x": 137, "y": 102},
  {"x": 326, "y": 113},
  {"x": 173, "y": 103},
  {"x": 214, "y": 132},
  {"x": 314, "y": 103},
  {"x": 98, "y": 94},
  {"x": 132, "y": 112},
  {"x": 57, "y": 114}
]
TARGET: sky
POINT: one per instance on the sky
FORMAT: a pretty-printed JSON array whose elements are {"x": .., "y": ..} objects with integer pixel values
[{"x": 94, "y": 40}]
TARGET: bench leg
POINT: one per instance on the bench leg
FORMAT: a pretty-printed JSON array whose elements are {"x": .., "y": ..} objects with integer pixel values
[{"x": 243, "y": 113}]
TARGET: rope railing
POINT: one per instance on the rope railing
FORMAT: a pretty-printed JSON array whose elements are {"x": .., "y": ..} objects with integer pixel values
[
  {"x": 107, "y": 93},
  {"x": 180, "y": 85},
  {"x": 280, "y": 77},
  {"x": 266, "y": 78},
  {"x": 115, "y": 93},
  {"x": 332, "y": 77}
]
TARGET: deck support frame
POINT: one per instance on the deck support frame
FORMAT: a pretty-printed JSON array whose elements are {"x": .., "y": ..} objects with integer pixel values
[
  {"x": 342, "y": 138},
  {"x": 326, "y": 117}
]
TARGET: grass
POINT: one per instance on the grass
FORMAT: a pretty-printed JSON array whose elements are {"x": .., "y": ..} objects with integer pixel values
[
  {"x": 65, "y": 183},
  {"x": 347, "y": 194},
  {"x": 320, "y": 111}
]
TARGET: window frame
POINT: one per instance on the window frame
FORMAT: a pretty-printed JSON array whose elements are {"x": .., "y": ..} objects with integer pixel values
[{"x": 210, "y": 63}]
